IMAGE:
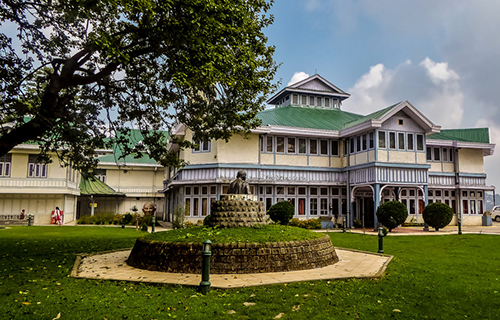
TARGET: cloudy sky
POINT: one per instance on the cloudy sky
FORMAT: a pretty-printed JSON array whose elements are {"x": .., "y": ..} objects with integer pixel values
[{"x": 442, "y": 56}]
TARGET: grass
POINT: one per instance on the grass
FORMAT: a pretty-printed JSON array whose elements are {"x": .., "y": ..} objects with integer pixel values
[
  {"x": 259, "y": 234},
  {"x": 430, "y": 277}
]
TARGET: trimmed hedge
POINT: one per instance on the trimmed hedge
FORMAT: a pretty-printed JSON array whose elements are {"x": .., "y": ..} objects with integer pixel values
[
  {"x": 438, "y": 215},
  {"x": 391, "y": 214},
  {"x": 281, "y": 212}
]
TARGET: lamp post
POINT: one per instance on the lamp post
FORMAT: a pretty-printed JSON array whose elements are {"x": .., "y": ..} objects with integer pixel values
[
  {"x": 344, "y": 224},
  {"x": 30, "y": 219},
  {"x": 459, "y": 225},
  {"x": 380, "y": 240},
  {"x": 205, "y": 266}
]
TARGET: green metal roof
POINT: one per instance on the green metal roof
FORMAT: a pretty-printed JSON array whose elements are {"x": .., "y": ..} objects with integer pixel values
[
  {"x": 91, "y": 186},
  {"x": 307, "y": 117},
  {"x": 135, "y": 137},
  {"x": 478, "y": 135}
]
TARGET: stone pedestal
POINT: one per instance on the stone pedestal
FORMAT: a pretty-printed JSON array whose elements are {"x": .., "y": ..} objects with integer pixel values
[{"x": 237, "y": 210}]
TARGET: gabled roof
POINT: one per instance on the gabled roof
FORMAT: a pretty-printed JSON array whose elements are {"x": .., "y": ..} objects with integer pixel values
[
  {"x": 91, "y": 186},
  {"x": 375, "y": 119},
  {"x": 345, "y": 123},
  {"x": 315, "y": 84},
  {"x": 478, "y": 135}
]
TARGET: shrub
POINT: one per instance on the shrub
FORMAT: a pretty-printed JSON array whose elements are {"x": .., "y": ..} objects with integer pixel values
[
  {"x": 437, "y": 215},
  {"x": 391, "y": 214},
  {"x": 207, "y": 221},
  {"x": 127, "y": 218},
  {"x": 294, "y": 222},
  {"x": 281, "y": 212},
  {"x": 310, "y": 223},
  {"x": 189, "y": 224}
]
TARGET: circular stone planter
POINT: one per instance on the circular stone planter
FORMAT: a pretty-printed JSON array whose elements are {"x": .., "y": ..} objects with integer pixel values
[{"x": 185, "y": 257}]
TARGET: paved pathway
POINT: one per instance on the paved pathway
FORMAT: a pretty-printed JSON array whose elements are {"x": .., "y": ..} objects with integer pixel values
[{"x": 112, "y": 266}]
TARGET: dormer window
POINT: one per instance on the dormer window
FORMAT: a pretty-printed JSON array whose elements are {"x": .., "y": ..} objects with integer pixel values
[
  {"x": 327, "y": 102},
  {"x": 319, "y": 102},
  {"x": 400, "y": 122},
  {"x": 303, "y": 100},
  {"x": 311, "y": 100},
  {"x": 295, "y": 99}
]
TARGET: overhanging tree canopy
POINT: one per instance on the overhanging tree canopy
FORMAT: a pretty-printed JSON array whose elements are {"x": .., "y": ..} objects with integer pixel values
[{"x": 86, "y": 69}]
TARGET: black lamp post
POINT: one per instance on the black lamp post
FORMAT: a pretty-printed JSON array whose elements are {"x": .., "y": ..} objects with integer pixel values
[
  {"x": 205, "y": 266},
  {"x": 380, "y": 240}
]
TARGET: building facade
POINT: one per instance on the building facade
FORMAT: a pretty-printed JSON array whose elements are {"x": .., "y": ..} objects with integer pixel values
[
  {"x": 118, "y": 186},
  {"x": 334, "y": 164}
]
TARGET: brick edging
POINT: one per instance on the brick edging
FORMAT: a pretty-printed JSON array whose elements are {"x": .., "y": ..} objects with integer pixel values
[{"x": 236, "y": 257}]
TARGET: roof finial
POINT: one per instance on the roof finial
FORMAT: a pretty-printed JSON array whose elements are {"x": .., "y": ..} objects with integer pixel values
[{"x": 315, "y": 71}]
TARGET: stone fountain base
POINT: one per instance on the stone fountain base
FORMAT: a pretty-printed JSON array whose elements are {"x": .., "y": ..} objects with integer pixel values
[{"x": 237, "y": 210}]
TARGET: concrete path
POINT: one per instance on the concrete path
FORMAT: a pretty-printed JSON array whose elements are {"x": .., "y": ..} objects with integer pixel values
[{"x": 112, "y": 266}]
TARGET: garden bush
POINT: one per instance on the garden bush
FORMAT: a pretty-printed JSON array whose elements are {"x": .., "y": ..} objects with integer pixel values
[
  {"x": 281, "y": 212},
  {"x": 391, "y": 214},
  {"x": 306, "y": 224},
  {"x": 437, "y": 215}
]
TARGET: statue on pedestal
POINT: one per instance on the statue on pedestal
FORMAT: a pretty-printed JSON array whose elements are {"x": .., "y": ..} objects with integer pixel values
[{"x": 239, "y": 186}]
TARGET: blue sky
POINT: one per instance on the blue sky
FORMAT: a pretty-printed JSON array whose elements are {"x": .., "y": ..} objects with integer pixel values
[{"x": 442, "y": 56}]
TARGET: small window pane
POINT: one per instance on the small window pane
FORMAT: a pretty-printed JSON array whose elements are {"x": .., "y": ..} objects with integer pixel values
[
  {"x": 365, "y": 142},
  {"x": 358, "y": 143},
  {"x": 445, "y": 154},
  {"x": 372, "y": 145},
  {"x": 319, "y": 102},
  {"x": 327, "y": 102},
  {"x": 420, "y": 142},
  {"x": 335, "y": 148},
  {"x": 311, "y": 100},
  {"x": 410, "y": 141},
  {"x": 304, "y": 100},
  {"x": 381, "y": 139},
  {"x": 302, "y": 190},
  {"x": 291, "y": 145},
  {"x": 295, "y": 99},
  {"x": 429, "y": 154},
  {"x": 280, "y": 190},
  {"x": 401, "y": 141},
  {"x": 269, "y": 144},
  {"x": 392, "y": 140},
  {"x": 313, "y": 146},
  {"x": 324, "y": 191},
  {"x": 291, "y": 191},
  {"x": 437, "y": 155},
  {"x": 302, "y": 146},
  {"x": 324, "y": 147},
  {"x": 280, "y": 144},
  {"x": 313, "y": 191},
  {"x": 352, "y": 145}
]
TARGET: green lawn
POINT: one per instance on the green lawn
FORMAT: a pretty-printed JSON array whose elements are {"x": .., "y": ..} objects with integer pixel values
[
  {"x": 430, "y": 277},
  {"x": 259, "y": 234}
]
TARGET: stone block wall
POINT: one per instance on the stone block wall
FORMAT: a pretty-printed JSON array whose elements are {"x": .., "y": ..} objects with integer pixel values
[{"x": 234, "y": 257}]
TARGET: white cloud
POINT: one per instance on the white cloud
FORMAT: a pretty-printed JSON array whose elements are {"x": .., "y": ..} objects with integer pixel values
[
  {"x": 431, "y": 87},
  {"x": 298, "y": 76},
  {"x": 439, "y": 72}
]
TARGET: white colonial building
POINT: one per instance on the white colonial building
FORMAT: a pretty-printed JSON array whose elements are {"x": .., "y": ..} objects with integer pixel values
[
  {"x": 119, "y": 185},
  {"x": 330, "y": 163}
]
